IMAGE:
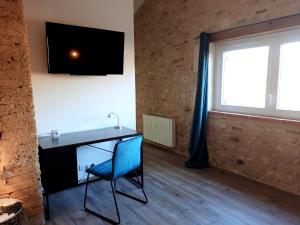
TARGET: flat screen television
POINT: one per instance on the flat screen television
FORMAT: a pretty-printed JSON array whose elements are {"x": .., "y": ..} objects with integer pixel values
[{"x": 84, "y": 51}]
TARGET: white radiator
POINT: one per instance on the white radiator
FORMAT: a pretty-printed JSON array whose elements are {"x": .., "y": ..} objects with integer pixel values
[{"x": 159, "y": 130}]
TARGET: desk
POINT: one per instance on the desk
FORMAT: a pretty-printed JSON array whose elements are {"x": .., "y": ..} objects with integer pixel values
[{"x": 58, "y": 159}]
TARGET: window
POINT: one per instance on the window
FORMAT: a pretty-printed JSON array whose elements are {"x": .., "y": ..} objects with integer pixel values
[
  {"x": 239, "y": 76},
  {"x": 289, "y": 77},
  {"x": 259, "y": 75}
]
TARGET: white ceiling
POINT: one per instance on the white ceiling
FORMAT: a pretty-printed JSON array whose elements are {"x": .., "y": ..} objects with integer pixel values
[{"x": 137, "y": 4}]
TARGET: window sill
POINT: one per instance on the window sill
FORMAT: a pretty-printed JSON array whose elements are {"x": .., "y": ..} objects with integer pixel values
[{"x": 256, "y": 118}]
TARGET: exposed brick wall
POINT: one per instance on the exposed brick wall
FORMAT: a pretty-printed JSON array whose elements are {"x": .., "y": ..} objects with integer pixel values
[
  {"x": 19, "y": 171},
  {"x": 166, "y": 36},
  {"x": 263, "y": 149}
]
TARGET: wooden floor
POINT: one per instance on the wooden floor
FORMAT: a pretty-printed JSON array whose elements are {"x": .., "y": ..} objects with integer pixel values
[{"x": 183, "y": 197}]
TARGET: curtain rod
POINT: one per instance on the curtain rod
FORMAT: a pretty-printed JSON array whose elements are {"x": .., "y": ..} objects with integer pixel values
[{"x": 260, "y": 27}]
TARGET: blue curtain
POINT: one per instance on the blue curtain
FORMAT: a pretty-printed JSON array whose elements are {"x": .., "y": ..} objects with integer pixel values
[{"x": 198, "y": 155}]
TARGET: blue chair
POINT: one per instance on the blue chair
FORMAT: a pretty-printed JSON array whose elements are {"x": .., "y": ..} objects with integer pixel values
[{"x": 126, "y": 158}]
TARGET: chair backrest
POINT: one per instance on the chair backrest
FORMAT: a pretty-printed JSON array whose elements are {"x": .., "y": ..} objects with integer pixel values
[{"x": 127, "y": 156}]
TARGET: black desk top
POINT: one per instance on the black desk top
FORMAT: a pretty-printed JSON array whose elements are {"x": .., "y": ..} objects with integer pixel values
[{"x": 86, "y": 137}]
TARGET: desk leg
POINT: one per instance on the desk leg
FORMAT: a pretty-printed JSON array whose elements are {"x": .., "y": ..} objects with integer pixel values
[{"x": 46, "y": 207}]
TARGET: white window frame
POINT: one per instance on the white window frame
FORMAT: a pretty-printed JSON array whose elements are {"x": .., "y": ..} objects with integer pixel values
[{"x": 274, "y": 41}]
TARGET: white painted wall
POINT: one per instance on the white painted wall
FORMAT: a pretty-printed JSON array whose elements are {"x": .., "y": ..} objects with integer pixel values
[{"x": 76, "y": 103}]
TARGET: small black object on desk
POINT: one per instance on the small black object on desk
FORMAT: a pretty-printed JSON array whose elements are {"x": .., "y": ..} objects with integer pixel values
[{"x": 58, "y": 158}]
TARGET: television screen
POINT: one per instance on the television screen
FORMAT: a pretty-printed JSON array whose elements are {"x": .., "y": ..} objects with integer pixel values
[{"x": 84, "y": 51}]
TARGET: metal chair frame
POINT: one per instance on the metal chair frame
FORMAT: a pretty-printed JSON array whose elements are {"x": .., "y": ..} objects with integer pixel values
[{"x": 114, "y": 191}]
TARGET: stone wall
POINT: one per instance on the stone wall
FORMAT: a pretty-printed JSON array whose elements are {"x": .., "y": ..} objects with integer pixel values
[
  {"x": 263, "y": 149},
  {"x": 19, "y": 172},
  {"x": 166, "y": 40}
]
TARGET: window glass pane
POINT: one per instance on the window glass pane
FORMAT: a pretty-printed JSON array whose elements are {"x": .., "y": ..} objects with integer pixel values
[
  {"x": 244, "y": 77},
  {"x": 289, "y": 77}
]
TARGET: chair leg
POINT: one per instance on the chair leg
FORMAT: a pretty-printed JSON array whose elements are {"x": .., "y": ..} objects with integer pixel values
[
  {"x": 86, "y": 189},
  {"x": 97, "y": 214},
  {"x": 141, "y": 186},
  {"x": 115, "y": 200},
  {"x": 132, "y": 197}
]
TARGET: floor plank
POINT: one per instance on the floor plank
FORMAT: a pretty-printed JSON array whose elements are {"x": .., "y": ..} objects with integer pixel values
[{"x": 180, "y": 196}]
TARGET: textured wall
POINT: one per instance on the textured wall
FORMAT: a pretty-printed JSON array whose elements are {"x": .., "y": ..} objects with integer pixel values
[
  {"x": 166, "y": 39},
  {"x": 263, "y": 149},
  {"x": 19, "y": 176}
]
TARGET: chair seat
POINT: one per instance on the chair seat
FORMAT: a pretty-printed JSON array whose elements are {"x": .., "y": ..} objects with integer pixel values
[{"x": 103, "y": 170}]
